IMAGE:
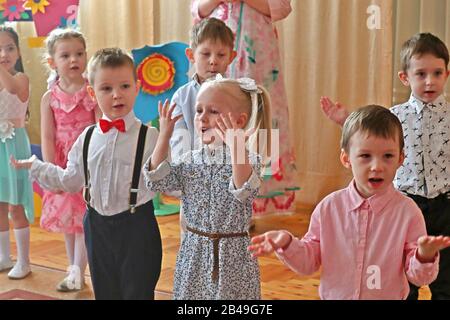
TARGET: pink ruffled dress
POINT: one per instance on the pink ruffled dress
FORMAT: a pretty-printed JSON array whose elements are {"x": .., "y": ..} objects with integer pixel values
[{"x": 64, "y": 212}]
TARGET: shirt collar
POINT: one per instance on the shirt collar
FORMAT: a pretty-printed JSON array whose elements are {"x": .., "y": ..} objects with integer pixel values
[
  {"x": 130, "y": 120},
  {"x": 217, "y": 154},
  {"x": 376, "y": 203},
  {"x": 437, "y": 105},
  {"x": 196, "y": 79}
]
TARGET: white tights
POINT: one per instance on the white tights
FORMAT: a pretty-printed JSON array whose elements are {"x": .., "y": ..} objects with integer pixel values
[{"x": 76, "y": 250}]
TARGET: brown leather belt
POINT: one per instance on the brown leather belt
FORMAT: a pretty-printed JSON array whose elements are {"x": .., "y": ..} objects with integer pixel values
[{"x": 215, "y": 237}]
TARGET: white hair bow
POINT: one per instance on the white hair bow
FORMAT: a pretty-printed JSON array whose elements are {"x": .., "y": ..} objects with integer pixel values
[{"x": 247, "y": 85}]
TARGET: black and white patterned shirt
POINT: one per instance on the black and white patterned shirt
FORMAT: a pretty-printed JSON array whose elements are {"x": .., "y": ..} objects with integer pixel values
[{"x": 426, "y": 129}]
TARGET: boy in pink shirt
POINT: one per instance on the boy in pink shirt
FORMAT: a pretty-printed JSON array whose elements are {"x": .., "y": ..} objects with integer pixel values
[{"x": 369, "y": 238}]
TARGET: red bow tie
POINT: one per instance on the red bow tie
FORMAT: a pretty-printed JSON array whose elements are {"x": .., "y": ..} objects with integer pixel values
[{"x": 105, "y": 125}]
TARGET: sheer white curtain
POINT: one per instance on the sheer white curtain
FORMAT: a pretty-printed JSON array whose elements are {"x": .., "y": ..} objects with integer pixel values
[{"x": 327, "y": 49}]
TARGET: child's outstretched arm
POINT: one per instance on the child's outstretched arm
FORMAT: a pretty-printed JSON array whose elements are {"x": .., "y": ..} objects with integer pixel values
[
  {"x": 429, "y": 246},
  {"x": 334, "y": 111},
  {"x": 54, "y": 178},
  {"x": 17, "y": 84},
  {"x": 166, "y": 126},
  {"x": 268, "y": 242}
]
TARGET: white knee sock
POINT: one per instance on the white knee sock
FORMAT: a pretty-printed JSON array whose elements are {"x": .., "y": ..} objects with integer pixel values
[
  {"x": 80, "y": 255},
  {"x": 23, "y": 245},
  {"x": 5, "y": 252},
  {"x": 70, "y": 246}
]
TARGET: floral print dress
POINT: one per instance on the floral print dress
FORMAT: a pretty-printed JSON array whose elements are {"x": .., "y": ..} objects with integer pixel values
[
  {"x": 212, "y": 205},
  {"x": 64, "y": 212}
]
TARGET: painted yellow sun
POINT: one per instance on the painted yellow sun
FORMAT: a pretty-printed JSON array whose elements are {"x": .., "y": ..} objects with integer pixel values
[{"x": 37, "y": 5}]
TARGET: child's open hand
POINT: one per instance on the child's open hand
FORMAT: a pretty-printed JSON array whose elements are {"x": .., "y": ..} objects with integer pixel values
[
  {"x": 269, "y": 242},
  {"x": 166, "y": 122},
  {"x": 429, "y": 246},
  {"x": 230, "y": 133},
  {"x": 334, "y": 111},
  {"x": 22, "y": 164}
]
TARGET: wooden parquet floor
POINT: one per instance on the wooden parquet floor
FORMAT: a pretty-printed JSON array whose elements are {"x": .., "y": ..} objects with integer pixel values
[{"x": 277, "y": 281}]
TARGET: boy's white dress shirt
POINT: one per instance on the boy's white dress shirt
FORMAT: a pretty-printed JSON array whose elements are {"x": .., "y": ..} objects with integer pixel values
[{"x": 110, "y": 162}]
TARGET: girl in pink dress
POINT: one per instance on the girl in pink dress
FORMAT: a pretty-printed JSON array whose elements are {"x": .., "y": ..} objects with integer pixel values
[
  {"x": 66, "y": 110},
  {"x": 256, "y": 44}
]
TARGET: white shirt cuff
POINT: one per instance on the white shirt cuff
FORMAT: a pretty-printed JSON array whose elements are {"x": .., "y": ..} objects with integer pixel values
[
  {"x": 247, "y": 188},
  {"x": 157, "y": 174}
]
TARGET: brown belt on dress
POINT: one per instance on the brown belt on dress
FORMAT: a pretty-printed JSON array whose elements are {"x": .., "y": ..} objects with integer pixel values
[{"x": 215, "y": 237}]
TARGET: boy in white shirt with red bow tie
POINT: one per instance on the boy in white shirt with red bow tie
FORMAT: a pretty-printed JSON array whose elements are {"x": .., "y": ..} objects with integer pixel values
[{"x": 122, "y": 236}]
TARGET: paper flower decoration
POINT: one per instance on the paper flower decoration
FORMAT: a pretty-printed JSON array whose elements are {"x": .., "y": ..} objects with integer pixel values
[
  {"x": 55, "y": 11},
  {"x": 156, "y": 73},
  {"x": 162, "y": 70},
  {"x": 37, "y": 5},
  {"x": 6, "y": 130},
  {"x": 12, "y": 9}
]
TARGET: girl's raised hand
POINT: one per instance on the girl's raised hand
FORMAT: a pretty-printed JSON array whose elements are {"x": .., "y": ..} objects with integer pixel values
[
  {"x": 166, "y": 122},
  {"x": 269, "y": 242},
  {"x": 22, "y": 164},
  {"x": 229, "y": 131}
]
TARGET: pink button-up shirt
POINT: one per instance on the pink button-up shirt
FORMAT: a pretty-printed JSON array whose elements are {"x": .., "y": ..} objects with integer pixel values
[{"x": 367, "y": 247}]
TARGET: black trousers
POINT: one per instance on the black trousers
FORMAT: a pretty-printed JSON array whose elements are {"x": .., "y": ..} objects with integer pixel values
[
  {"x": 436, "y": 212},
  {"x": 124, "y": 253}
]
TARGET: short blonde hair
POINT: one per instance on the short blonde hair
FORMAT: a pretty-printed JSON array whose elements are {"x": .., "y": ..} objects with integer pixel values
[
  {"x": 373, "y": 120},
  {"x": 109, "y": 58}
]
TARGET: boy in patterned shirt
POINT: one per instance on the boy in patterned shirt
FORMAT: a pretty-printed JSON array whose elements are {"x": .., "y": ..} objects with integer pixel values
[{"x": 425, "y": 118}]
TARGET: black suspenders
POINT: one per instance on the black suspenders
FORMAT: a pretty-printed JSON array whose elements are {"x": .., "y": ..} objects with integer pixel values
[
  {"x": 137, "y": 167},
  {"x": 87, "y": 184},
  {"x": 136, "y": 171}
]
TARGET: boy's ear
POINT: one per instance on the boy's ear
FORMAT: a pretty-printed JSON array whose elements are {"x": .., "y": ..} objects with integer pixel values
[
  {"x": 91, "y": 93},
  {"x": 345, "y": 159},
  {"x": 138, "y": 86},
  {"x": 190, "y": 55},
  {"x": 233, "y": 55},
  {"x": 403, "y": 76},
  {"x": 402, "y": 158}
]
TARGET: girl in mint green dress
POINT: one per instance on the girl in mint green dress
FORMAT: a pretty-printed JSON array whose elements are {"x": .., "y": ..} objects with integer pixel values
[{"x": 16, "y": 193}]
